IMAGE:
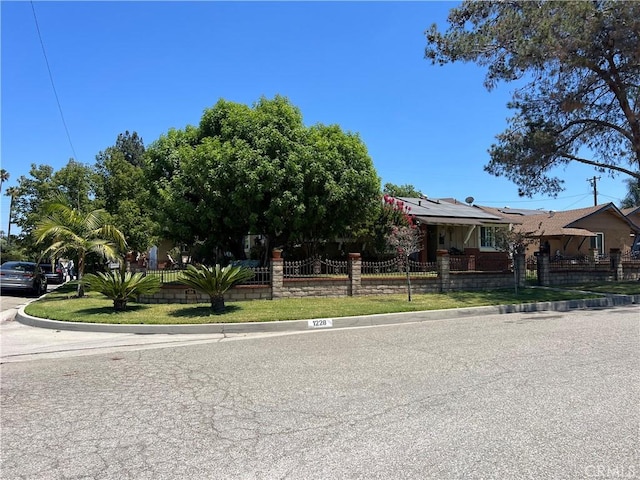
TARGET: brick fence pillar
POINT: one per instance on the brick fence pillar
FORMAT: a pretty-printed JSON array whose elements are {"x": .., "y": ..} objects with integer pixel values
[
  {"x": 616, "y": 264},
  {"x": 544, "y": 277},
  {"x": 355, "y": 274},
  {"x": 277, "y": 274},
  {"x": 443, "y": 270}
]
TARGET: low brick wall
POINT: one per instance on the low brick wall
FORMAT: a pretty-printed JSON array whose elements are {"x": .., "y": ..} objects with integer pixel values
[
  {"x": 394, "y": 285},
  {"x": 572, "y": 277},
  {"x": 314, "y": 287},
  {"x": 170, "y": 293},
  {"x": 631, "y": 271},
  {"x": 480, "y": 280}
]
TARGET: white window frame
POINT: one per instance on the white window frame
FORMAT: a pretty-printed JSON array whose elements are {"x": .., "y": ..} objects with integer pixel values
[
  {"x": 597, "y": 242},
  {"x": 492, "y": 237}
]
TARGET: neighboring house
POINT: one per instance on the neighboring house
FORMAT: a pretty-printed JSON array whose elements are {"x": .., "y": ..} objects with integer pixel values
[
  {"x": 633, "y": 214},
  {"x": 462, "y": 229},
  {"x": 573, "y": 233}
]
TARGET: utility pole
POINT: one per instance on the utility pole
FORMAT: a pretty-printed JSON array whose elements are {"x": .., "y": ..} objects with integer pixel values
[{"x": 593, "y": 181}]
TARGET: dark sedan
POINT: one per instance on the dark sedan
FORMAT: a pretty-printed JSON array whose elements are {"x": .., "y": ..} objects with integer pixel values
[
  {"x": 53, "y": 274},
  {"x": 17, "y": 275}
]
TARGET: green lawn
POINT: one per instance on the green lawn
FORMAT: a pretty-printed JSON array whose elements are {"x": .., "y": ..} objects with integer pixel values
[
  {"x": 622, "y": 288},
  {"x": 95, "y": 308}
]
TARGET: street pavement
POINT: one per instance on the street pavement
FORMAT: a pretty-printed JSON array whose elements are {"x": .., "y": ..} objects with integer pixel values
[{"x": 539, "y": 395}]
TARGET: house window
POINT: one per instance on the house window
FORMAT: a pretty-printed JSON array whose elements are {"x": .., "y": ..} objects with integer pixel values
[
  {"x": 597, "y": 242},
  {"x": 487, "y": 237}
]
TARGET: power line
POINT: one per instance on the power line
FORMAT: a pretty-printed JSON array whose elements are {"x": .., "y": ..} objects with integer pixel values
[
  {"x": 66, "y": 129},
  {"x": 532, "y": 200}
]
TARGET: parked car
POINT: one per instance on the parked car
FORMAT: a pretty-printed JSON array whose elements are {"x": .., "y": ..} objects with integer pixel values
[
  {"x": 53, "y": 274},
  {"x": 23, "y": 276}
]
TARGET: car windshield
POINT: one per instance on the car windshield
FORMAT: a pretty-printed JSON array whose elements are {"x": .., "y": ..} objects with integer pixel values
[
  {"x": 19, "y": 266},
  {"x": 46, "y": 268}
]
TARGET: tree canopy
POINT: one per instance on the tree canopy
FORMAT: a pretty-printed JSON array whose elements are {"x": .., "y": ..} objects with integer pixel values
[
  {"x": 260, "y": 170},
  {"x": 406, "y": 190},
  {"x": 122, "y": 190},
  {"x": 577, "y": 64}
]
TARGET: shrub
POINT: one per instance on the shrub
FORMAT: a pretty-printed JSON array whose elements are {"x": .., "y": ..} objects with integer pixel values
[
  {"x": 121, "y": 286},
  {"x": 214, "y": 281}
]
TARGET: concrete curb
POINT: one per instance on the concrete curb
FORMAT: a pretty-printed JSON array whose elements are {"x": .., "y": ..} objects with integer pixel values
[{"x": 328, "y": 323}]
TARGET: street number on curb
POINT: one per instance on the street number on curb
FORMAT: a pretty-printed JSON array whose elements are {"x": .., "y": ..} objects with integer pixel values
[{"x": 324, "y": 323}]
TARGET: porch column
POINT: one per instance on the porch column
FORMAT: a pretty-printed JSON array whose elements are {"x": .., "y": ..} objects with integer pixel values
[
  {"x": 355, "y": 274},
  {"x": 444, "y": 279},
  {"x": 277, "y": 274}
]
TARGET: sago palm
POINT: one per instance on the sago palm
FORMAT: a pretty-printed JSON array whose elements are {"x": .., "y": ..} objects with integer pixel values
[
  {"x": 121, "y": 286},
  {"x": 70, "y": 230},
  {"x": 214, "y": 281}
]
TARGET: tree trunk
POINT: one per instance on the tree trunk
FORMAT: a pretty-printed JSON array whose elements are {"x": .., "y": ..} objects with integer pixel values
[
  {"x": 79, "y": 274},
  {"x": 408, "y": 280},
  {"x": 120, "y": 304},
  {"x": 217, "y": 303}
]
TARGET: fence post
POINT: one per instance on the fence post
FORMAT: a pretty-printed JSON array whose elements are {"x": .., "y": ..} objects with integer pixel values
[
  {"x": 521, "y": 269},
  {"x": 616, "y": 264},
  {"x": 355, "y": 274},
  {"x": 277, "y": 274},
  {"x": 443, "y": 270},
  {"x": 544, "y": 276}
]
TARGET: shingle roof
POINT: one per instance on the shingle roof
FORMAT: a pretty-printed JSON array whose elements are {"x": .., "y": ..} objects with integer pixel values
[{"x": 562, "y": 222}]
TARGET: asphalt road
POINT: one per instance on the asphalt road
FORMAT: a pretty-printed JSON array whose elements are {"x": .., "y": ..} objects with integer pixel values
[
  {"x": 10, "y": 301},
  {"x": 536, "y": 395}
]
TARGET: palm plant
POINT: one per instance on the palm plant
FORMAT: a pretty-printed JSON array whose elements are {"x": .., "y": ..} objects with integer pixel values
[
  {"x": 4, "y": 176},
  {"x": 214, "y": 281},
  {"x": 121, "y": 286},
  {"x": 70, "y": 230}
]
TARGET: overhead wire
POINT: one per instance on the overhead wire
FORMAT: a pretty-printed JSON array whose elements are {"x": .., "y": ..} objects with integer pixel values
[{"x": 55, "y": 92}]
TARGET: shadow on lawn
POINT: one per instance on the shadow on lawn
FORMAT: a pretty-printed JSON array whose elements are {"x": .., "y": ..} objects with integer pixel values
[
  {"x": 202, "y": 312},
  {"x": 110, "y": 310}
]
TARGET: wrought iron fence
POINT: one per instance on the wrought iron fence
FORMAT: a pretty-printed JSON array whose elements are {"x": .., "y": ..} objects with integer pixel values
[
  {"x": 581, "y": 262},
  {"x": 631, "y": 257},
  {"x": 397, "y": 265},
  {"x": 261, "y": 276},
  {"x": 315, "y": 267}
]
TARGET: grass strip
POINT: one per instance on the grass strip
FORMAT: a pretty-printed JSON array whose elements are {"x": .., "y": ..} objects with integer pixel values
[{"x": 63, "y": 305}]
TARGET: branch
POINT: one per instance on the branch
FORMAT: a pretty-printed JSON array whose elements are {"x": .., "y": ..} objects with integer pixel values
[{"x": 603, "y": 165}]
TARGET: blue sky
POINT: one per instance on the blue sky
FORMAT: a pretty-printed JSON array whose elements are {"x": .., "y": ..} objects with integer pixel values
[{"x": 151, "y": 66}]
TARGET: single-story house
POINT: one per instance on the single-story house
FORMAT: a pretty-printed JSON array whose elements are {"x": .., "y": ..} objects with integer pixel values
[
  {"x": 460, "y": 228},
  {"x": 573, "y": 233}
]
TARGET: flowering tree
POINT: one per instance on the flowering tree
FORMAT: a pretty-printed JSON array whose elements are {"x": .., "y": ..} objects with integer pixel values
[{"x": 406, "y": 240}]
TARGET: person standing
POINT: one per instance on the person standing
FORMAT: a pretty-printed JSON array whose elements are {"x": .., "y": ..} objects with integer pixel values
[{"x": 70, "y": 267}]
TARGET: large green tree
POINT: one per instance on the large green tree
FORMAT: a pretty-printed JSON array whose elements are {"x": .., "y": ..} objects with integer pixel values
[
  {"x": 260, "y": 170},
  {"x": 577, "y": 67},
  {"x": 75, "y": 183},
  {"x": 632, "y": 198},
  {"x": 123, "y": 190},
  {"x": 406, "y": 190}
]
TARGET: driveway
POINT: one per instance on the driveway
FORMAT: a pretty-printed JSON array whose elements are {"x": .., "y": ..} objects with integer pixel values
[{"x": 543, "y": 395}]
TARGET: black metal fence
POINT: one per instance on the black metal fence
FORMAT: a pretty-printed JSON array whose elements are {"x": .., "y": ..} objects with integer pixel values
[
  {"x": 261, "y": 276},
  {"x": 397, "y": 265},
  {"x": 315, "y": 267}
]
